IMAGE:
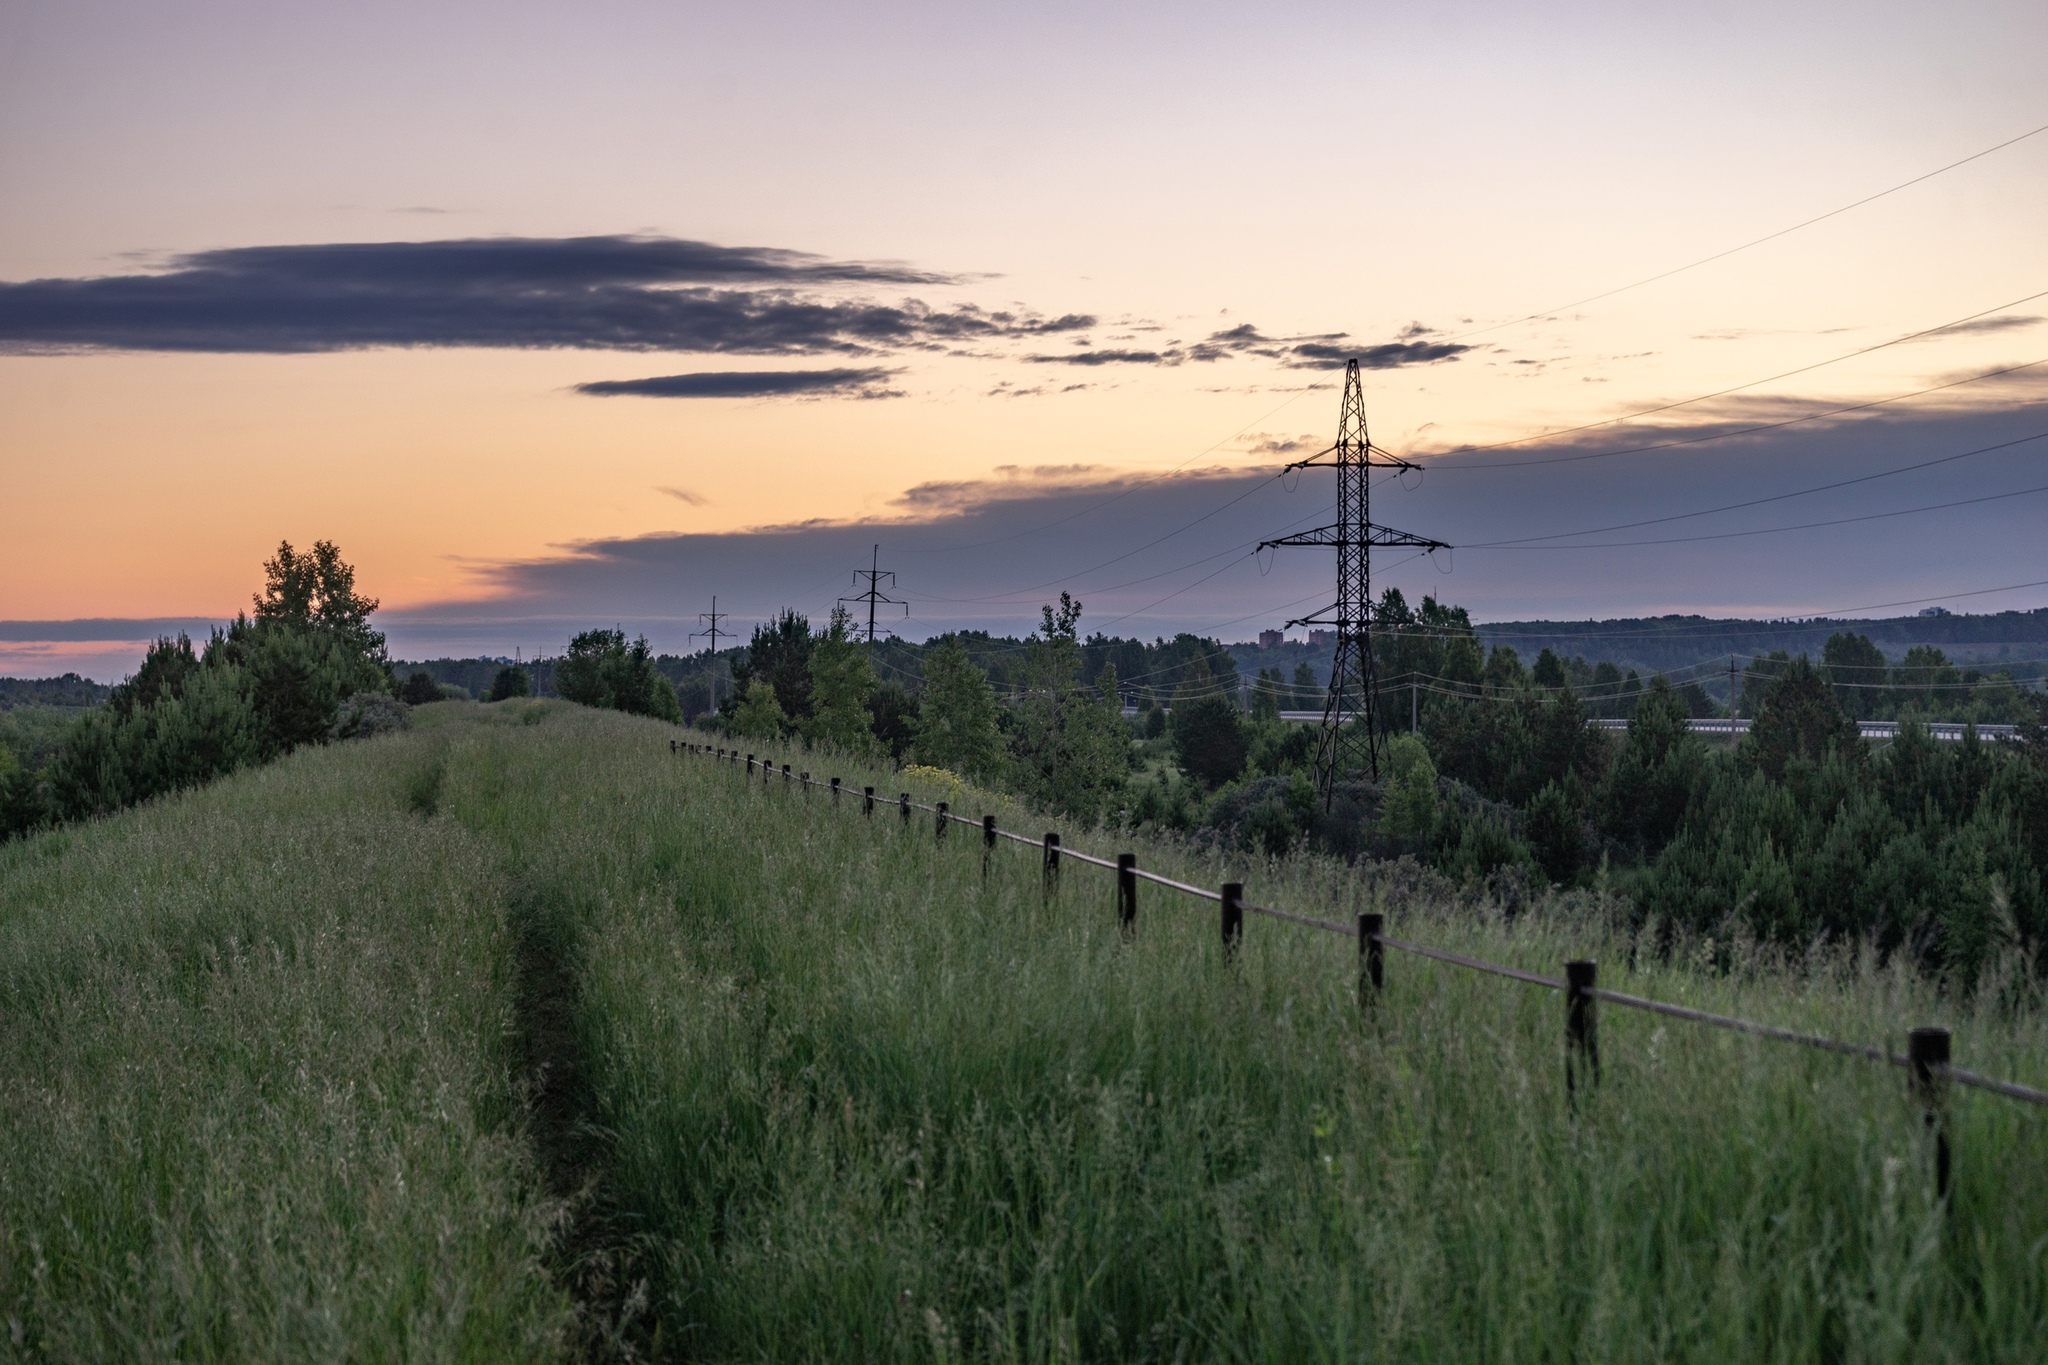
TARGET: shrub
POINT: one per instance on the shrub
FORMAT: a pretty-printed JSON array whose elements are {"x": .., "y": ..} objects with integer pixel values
[
  {"x": 369, "y": 714},
  {"x": 510, "y": 682}
]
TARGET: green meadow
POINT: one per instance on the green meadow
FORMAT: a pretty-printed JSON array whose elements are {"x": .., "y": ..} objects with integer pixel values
[{"x": 518, "y": 1035}]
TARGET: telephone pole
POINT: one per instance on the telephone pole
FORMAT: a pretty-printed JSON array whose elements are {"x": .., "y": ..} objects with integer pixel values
[
  {"x": 1354, "y": 678},
  {"x": 714, "y": 616},
  {"x": 874, "y": 574}
]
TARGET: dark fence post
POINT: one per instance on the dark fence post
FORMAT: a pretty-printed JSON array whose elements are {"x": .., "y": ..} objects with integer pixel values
[
  {"x": 1927, "y": 1051},
  {"x": 805, "y": 779},
  {"x": 867, "y": 802},
  {"x": 1372, "y": 958},
  {"x": 1581, "y": 1025},
  {"x": 1052, "y": 863},
  {"x": 1127, "y": 893},
  {"x": 671, "y": 747},
  {"x": 988, "y": 843},
  {"x": 903, "y": 806},
  {"x": 939, "y": 824},
  {"x": 1233, "y": 917},
  {"x": 785, "y": 774},
  {"x": 835, "y": 791}
]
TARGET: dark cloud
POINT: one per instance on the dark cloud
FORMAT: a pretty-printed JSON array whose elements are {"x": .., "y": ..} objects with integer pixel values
[
  {"x": 986, "y": 552},
  {"x": 695, "y": 499},
  {"x": 602, "y": 293},
  {"x": 1105, "y": 358},
  {"x": 2007, "y": 322},
  {"x": 749, "y": 384}
]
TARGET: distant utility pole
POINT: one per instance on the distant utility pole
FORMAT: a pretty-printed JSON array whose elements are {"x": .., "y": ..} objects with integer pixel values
[
  {"x": 874, "y": 574},
  {"x": 714, "y": 616},
  {"x": 1731, "y": 701},
  {"x": 1354, "y": 680}
]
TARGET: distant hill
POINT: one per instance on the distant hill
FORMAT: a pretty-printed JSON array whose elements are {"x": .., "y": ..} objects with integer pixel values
[
  {"x": 69, "y": 690},
  {"x": 2014, "y": 639}
]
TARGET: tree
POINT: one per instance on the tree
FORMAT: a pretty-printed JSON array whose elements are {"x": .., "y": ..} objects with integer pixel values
[
  {"x": 957, "y": 727},
  {"x": 1071, "y": 747},
  {"x": 841, "y": 683},
  {"x": 510, "y": 682},
  {"x": 1654, "y": 773},
  {"x": 1408, "y": 806},
  {"x": 1799, "y": 718},
  {"x": 781, "y": 656},
  {"x": 318, "y": 589},
  {"x": 1857, "y": 669},
  {"x": 759, "y": 715},
  {"x": 419, "y": 688},
  {"x": 1208, "y": 742},
  {"x": 602, "y": 670},
  {"x": 1557, "y": 829}
]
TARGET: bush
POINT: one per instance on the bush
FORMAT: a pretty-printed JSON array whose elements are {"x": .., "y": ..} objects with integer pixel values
[
  {"x": 602, "y": 670},
  {"x": 420, "y": 689},
  {"x": 369, "y": 714},
  {"x": 511, "y": 682}
]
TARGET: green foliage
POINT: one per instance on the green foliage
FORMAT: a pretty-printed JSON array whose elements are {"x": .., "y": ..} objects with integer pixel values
[
  {"x": 1208, "y": 742},
  {"x": 841, "y": 683},
  {"x": 601, "y": 669},
  {"x": 1408, "y": 810},
  {"x": 511, "y": 682},
  {"x": 419, "y": 689},
  {"x": 759, "y": 715},
  {"x": 957, "y": 725},
  {"x": 781, "y": 655},
  {"x": 1800, "y": 718},
  {"x": 1556, "y": 829},
  {"x": 316, "y": 593},
  {"x": 1069, "y": 745},
  {"x": 1659, "y": 765}
]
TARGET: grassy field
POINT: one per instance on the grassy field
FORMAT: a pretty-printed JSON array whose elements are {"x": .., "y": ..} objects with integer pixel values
[{"x": 519, "y": 1035}]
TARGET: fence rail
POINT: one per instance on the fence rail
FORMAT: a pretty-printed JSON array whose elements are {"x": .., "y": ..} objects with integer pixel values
[{"x": 1926, "y": 1061}]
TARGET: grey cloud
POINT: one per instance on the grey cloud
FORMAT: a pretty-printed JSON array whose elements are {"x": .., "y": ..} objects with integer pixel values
[
  {"x": 1105, "y": 358},
  {"x": 601, "y": 293},
  {"x": 863, "y": 383},
  {"x": 2007, "y": 322},
  {"x": 684, "y": 495}
]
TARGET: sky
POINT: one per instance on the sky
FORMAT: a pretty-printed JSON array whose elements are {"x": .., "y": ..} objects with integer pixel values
[{"x": 554, "y": 316}]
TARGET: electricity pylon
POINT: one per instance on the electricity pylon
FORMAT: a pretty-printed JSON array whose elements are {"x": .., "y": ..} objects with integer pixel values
[
  {"x": 714, "y": 616},
  {"x": 1351, "y": 737},
  {"x": 874, "y": 574}
]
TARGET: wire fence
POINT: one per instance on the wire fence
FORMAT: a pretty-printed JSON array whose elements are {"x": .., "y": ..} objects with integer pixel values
[{"x": 1926, "y": 1060}]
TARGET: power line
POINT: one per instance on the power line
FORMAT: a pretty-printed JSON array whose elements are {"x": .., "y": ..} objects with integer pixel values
[
  {"x": 1773, "y": 530},
  {"x": 1759, "y": 241},
  {"x": 1758, "y": 502},
  {"x": 1754, "y": 383},
  {"x": 1739, "y": 431}
]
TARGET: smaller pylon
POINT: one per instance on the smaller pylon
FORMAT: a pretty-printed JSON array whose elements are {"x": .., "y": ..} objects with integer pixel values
[{"x": 874, "y": 574}]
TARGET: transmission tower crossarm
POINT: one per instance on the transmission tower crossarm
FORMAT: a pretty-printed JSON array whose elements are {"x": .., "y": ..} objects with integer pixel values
[{"x": 1378, "y": 537}]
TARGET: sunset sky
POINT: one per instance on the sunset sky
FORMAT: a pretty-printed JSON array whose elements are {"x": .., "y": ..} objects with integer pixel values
[{"x": 1035, "y": 297}]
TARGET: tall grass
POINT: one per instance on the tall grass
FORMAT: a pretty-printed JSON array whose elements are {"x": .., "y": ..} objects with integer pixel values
[
  {"x": 838, "y": 1097},
  {"x": 256, "y": 1101},
  {"x": 861, "y": 1104}
]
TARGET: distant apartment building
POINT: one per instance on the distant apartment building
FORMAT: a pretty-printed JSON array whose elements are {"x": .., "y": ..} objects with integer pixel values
[
  {"x": 1272, "y": 639},
  {"x": 1322, "y": 637}
]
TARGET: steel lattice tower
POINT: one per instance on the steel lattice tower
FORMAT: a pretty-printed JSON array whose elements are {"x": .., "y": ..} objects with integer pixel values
[{"x": 1351, "y": 737}]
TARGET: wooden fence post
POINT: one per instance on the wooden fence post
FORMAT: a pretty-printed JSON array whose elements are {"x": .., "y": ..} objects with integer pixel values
[
  {"x": 939, "y": 824},
  {"x": 1581, "y": 1025},
  {"x": 1127, "y": 893},
  {"x": 1233, "y": 918},
  {"x": 903, "y": 807},
  {"x": 1372, "y": 958},
  {"x": 835, "y": 791},
  {"x": 785, "y": 774},
  {"x": 1052, "y": 864},
  {"x": 988, "y": 843},
  {"x": 867, "y": 802},
  {"x": 1927, "y": 1052}
]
